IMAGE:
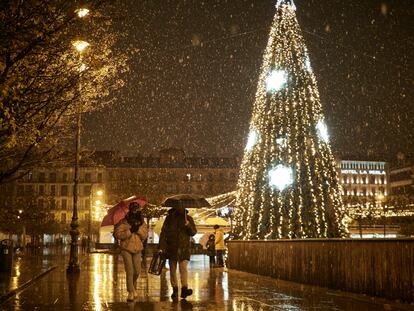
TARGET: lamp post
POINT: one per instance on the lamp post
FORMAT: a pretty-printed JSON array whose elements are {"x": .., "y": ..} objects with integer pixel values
[
  {"x": 73, "y": 266},
  {"x": 99, "y": 193}
]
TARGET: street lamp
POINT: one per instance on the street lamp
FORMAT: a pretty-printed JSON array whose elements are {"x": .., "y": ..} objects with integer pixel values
[
  {"x": 98, "y": 193},
  {"x": 73, "y": 266},
  {"x": 82, "y": 12}
]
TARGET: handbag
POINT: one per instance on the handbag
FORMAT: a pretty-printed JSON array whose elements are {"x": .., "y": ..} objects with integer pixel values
[{"x": 157, "y": 263}]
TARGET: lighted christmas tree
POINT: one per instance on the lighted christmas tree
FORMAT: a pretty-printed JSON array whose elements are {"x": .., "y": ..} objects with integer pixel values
[{"x": 288, "y": 185}]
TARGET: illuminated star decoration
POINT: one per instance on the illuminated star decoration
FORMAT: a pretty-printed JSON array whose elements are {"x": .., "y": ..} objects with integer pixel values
[
  {"x": 280, "y": 177},
  {"x": 322, "y": 131},
  {"x": 251, "y": 140},
  {"x": 276, "y": 80}
]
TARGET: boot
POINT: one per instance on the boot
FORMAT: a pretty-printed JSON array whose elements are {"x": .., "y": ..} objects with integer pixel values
[
  {"x": 186, "y": 292},
  {"x": 135, "y": 289},
  {"x": 130, "y": 296},
  {"x": 174, "y": 294}
]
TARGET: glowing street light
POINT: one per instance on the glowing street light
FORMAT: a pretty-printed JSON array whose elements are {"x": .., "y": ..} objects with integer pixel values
[
  {"x": 82, "y": 12},
  {"x": 80, "y": 45}
]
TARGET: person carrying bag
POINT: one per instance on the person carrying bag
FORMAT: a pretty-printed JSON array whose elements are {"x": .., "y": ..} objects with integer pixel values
[
  {"x": 174, "y": 245},
  {"x": 131, "y": 232}
]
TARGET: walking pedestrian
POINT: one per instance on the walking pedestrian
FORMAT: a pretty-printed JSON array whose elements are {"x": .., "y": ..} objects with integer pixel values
[
  {"x": 131, "y": 232},
  {"x": 174, "y": 244},
  {"x": 219, "y": 241},
  {"x": 211, "y": 249}
]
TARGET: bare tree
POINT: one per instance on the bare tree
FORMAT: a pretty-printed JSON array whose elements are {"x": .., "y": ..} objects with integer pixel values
[{"x": 44, "y": 81}]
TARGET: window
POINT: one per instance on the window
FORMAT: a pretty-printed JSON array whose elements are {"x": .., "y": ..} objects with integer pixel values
[
  {"x": 99, "y": 177},
  {"x": 28, "y": 189},
  {"x": 65, "y": 177},
  {"x": 52, "y": 177},
  {"x": 64, "y": 190},
  {"x": 64, "y": 204},
  {"x": 20, "y": 190},
  {"x": 88, "y": 177},
  {"x": 42, "y": 177},
  {"x": 41, "y": 189},
  {"x": 63, "y": 218},
  {"x": 52, "y": 190},
  {"x": 187, "y": 177},
  {"x": 87, "y": 190}
]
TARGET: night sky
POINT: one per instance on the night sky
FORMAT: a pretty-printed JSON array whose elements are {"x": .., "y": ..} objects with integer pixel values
[{"x": 193, "y": 82}]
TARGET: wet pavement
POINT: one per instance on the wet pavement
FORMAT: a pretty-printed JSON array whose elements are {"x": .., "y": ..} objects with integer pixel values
[
  {"x": 101, "y": 285},
  {"x": 29, "y": 265}
]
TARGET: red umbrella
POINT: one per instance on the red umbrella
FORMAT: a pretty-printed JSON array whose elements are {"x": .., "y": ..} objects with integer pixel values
[{"x": 118, "y": 212}]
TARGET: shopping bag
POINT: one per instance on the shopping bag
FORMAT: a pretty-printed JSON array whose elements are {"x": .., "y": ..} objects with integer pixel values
[{"x": 157, "y": 263}]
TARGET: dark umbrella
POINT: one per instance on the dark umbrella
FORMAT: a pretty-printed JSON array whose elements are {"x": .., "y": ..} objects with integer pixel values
[{"x": 186, "y": 201}]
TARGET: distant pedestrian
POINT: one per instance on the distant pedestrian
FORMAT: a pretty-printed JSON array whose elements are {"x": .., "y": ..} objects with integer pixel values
[
  {"x": 132, "y": 231},
  {"x": 219, "y": 242},
  {"x": 175, "y": 243},
  {"x": 211, "y": 250}
]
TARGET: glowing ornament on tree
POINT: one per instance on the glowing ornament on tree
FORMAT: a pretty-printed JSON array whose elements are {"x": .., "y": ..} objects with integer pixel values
[
  {"x": 281, "y": 177},
  {"x": 251, "y": 140},
  {"x": 308, "y": 64},
  {"x": 322, "y": 131},
  {"x": 281, "y": 141},
  {"x": 276, "y": 80}
]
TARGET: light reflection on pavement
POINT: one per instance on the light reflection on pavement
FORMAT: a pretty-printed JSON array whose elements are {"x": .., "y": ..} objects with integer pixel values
[{"x": 101, "y": 285}]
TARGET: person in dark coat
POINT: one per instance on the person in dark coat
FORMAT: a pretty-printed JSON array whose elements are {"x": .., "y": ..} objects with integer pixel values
[
  {"x": 175, "y": 245},
  {"x": 211, "y": 249}
]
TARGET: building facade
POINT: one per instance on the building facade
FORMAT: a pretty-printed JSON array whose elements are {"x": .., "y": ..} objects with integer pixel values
[
  {"x": 54, "y": 186},
  {"x": 363, "y": 178},
  {"x": 402, "y": 180},
  {"x": 169, "y": 173}
]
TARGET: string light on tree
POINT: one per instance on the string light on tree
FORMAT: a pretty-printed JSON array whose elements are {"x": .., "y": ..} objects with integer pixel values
[
  {"x": 299, "y": 197},
  {"x": 281, "y": 177}
]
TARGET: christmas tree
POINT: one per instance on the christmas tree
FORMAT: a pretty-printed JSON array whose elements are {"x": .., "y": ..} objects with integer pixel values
[{"x": 288, "y": 186}]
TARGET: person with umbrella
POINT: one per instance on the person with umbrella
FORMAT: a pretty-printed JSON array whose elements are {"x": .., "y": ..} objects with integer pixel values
[
  {"x": 174, "y": 244},
  {"x": 131, "y": 232}
]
